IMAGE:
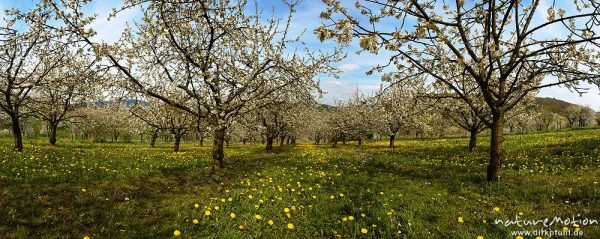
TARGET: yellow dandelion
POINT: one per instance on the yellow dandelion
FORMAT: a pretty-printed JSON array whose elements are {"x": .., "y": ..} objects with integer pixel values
[
  {"x": 363, "y": 215},
  {"x": 460, "y": 220},
  {"x": 565, "y": 228},
  {"x": 177, "y": 233},
  {"x": 196, "y": 205},
  {"x": 480, "y": 237},
  {"x": 270, "y": 222},
  {"x": 83, "y": 190},
  {"x": 86, "y": 237},
  {"x": 496, "y": 209},
  {"x": 344, "y": 219},
  {"x": 350, "y": 218},
  {"x": 286, "y": 209},
  {"x": 195, "y": 221},
  {"x": 364, "y": 230},
  {"x": 232, "y": 215},
  {"x": 538, "y": 237},
  {"x": 207, "y": 213},
  {"x": 216, "y": 207},
  {"x": 290, "y": 226},
  {"x": 519, "y": 237},
  {"x": 258, "y": 217},
  {"x": 241, "y": 227}
]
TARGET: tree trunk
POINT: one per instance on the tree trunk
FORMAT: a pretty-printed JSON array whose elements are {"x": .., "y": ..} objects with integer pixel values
[
  {"x": 472, "y": 140},
  {"x": 392, "y": 140},
  {"x": 177, "y": 142},
  {"x": 153, "y": 138},
  {"x": 281, "y": 140},
  {"x": 497, "y": 138},
  {"x": 217, "y": 148},
  {"x": 360, "y": 141},
  {"x": 17, "y": 136},
  {"x": 269, "y": 145},
  {"x": 52, "y": 133},
  {"x": 201, "y": 141}
]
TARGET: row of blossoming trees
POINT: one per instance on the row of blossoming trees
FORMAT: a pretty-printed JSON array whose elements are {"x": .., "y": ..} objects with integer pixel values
[{"x": 222, "y": 66}]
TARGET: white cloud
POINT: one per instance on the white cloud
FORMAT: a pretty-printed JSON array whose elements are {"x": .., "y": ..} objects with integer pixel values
[
  {"x": 110, "y": 31},
  {"x": 348, "y": 67}
]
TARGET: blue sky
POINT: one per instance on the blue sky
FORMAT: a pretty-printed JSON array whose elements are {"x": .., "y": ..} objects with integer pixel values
[{"x": 305, "y": 19}]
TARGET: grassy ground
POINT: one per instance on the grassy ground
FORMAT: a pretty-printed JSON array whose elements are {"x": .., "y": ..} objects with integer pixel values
[{"x": 420, "y": 190}]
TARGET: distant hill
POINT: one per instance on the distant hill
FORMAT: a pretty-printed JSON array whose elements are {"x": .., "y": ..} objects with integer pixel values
[{"x": 553, "y": 105}]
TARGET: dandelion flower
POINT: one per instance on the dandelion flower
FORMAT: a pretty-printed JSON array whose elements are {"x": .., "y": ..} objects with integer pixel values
[
  {"x": 496, "y": 209},
  {"x": 286, "y": 209},
  {"x": 258, "y": 217},
  {"x": 290, "y": 226},
  {"x": 364, "y": 230},
  {"x": 216, "y": 207},
  {"x": 270, "y": 222},
  {"x": 177, "y": 233},
  {"x": 241, "y": 227},
  {"x": 480, "y": 237},
  {"x": 195, "y": 221},
  {"x": 350, "y": 218},
  {"x": 83, "y": 190},
  {"x": 196, "y": 205},
  {"x": 207, "y": 213},
  {"x": 86, "y": 237},
  {"x": 363, "y": 215},
  {"x": 232, "y": 215},
  {"x": 460, "y": 220}
]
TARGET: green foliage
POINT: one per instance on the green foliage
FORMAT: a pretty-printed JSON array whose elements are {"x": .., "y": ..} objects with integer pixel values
[
  {"x": 551, "y": 105},
  {"x": 418, "y": 190}
]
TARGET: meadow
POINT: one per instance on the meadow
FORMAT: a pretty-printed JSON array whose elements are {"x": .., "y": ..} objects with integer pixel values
[{"x": 424, "y": 188}]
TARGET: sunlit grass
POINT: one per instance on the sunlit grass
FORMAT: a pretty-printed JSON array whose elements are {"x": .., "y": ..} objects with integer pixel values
[{"x": 422, "y": 189}]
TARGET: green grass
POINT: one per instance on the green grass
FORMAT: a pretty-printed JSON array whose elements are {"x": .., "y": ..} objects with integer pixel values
[{"x": 417, "y": 190}]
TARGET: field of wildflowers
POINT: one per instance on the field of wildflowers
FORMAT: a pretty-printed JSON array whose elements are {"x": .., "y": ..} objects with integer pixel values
[{"x": 428, "y": 188}]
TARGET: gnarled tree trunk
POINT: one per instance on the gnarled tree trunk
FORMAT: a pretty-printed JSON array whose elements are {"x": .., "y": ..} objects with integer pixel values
[
  {"x": 177, "y": 142},
  {"x": 153, "y": 138},
  {"x": 472, "y": 140},
  {"x": 217, "y": 148},
  {"x": 269, "y": 145},
  {"x": 52, "y": 133},
  {"x": 497, "y": 138},
  {"x": 17, "y": 134}
]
